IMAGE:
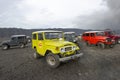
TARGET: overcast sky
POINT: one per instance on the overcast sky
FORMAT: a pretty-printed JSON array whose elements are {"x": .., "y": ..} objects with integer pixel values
[{"x": 83, "y": 14}]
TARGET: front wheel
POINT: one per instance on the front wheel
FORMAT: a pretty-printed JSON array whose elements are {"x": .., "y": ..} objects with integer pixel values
[
  {"x": 22, "y": 45},
  {"x": 5, "y": 47},
  {"x": 52, "y": 60},
  {"x": 101, "y": 45},
  {"x": 88, "y": 43},
  {"x": 111, "y": 46},
  {"x": 118, "y": 41}
]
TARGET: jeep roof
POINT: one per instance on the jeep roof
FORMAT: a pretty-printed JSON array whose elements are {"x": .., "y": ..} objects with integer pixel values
[
  {"x": 46, "y": 31},
  {"x": 18, "y": 35},
  {"x": 93, "y": 31},
  {"x": 69, "y": 32}
]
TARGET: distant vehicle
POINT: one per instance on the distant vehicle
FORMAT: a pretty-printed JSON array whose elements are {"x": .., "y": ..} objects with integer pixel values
[
  {"x": 52, "y": 45},
  {"x": 70, "y": 36},
  {"x": 97, "y": 38},
  {"x": 112, "y": 35},
  {"x": 28, "y": 39},
  {"x": 16, "y": 40}
]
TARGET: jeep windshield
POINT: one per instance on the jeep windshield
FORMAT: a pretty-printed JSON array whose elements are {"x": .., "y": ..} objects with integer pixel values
[
  {"x": 53, "y": 35},
  {"x": 70, "y": 37},
  {"x": 100, "y": 34},
  {"x": 111, "y": 33}
]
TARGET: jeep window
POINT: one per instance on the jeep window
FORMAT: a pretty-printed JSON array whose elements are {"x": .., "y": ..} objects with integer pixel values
[
  {"x": 13, "y": 38},
  {"x": 111, "y": 33},
  {"x": 21, "y": 38},
  {"x": 40, "y": 36},
  {"x": 69, "y": 37},
  {"x": 92, "y": 34},
  {"x": 83, "y": 35},
  {"x": 100, "y": 34},
  {"x": 34, "y": 36},
  {"x": 53, "y": 35},
  {"x": 87, "y": 34}
]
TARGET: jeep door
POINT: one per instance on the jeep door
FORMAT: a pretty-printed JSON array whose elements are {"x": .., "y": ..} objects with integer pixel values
[
  {"x": 13, "y": 41},
  {"x": 87, "y": 37},
  {"x": 22, "y": 39},
  {"x": 40, "y": 43},
  {"x": 92, "y": 38}
]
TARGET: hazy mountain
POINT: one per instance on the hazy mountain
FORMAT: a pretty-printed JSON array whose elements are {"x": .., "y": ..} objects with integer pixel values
[{"x": 7, "y": 32}]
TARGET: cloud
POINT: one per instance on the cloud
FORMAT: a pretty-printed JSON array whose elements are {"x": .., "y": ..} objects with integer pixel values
[
  {"x": 108, "y": 18},
  {"x": 84, "y": 14}
]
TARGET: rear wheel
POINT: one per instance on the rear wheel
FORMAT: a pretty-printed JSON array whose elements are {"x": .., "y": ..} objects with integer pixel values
[
  {"x": 52, "y": 60},
  {"x": 22, "y": 45},
  {"x": 118, "y": 41},
  {"x": 101, "y": 45},
  {"x": 5, "y": 47},
  {"x": 111, "y": 46},
  {"x": 36, "y": 55},
  {"x": 88, "y": 43}
]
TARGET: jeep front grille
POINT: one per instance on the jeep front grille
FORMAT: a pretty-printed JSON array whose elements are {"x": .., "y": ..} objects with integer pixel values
[
  {"x": 109, "y": 39},
  {"x": 68, "y": 48}
]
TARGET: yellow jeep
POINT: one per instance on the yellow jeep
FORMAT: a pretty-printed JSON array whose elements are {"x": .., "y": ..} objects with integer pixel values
[{"x": 52, "y": 45}]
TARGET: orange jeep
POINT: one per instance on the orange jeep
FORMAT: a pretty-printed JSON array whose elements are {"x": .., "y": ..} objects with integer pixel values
[{"x": 97, "y": 38}]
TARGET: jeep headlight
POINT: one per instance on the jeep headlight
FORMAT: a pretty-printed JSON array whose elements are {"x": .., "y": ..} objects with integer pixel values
[
  {"x": 74, "y": 47},
  {"x": 74, "y": 40},
  {"x": 106, "y": 40},
  {"x": 62, "y": 50}
]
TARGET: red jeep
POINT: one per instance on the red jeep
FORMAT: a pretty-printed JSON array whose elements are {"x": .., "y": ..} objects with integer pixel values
[
  {"x": 111, "y": 34},
  {"x": 97, "y": 38}
]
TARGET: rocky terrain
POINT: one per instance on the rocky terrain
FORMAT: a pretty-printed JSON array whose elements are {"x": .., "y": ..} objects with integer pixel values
[{"x": 96, "y": 64}]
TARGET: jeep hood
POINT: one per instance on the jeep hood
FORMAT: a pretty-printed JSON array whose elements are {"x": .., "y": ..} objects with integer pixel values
[
  {"x": 7, "y": 41},
  {"x": 117, "y": 36},
  {"x": 103, "y": 37},
  {"x": 114, "y": 36},
  {"x": 58, "y": 43}
]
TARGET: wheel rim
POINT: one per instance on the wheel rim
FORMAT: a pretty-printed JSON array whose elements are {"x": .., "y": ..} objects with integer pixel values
[
  {"x": 5, "y": 47},
  {"x": 99, "y": 46},
  {"x": 22, "y": 45},
  {"x": 119, "y": 41},
  {"x": 51, "y": 60},
  {"x": 111, "y": 46}
]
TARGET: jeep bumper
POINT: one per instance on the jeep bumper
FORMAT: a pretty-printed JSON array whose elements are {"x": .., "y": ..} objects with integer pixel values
[
  {"x": 70, "y": 57},
  {"x": 110, "y": 43}
]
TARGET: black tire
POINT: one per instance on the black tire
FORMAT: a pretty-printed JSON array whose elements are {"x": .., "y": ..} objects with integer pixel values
[
  {"x": 88, "y": 43},
  {"x": 111, "y": 46},
  {"x": 52, "y": 60},
  {"x": 5, "y": 46},
  {"x": 36, "y": 55},
  {"x": 22, "y": 45},
  {"x": 118, "y": 41},
  {"x": 101, "y": 45}
]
